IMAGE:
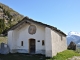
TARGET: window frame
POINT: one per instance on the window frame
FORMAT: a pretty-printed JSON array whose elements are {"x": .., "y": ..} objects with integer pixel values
[
  {"x": 43, "y": 42},
  {"x": 22, "y": 43},
  {"x": 61, "y": 37}
]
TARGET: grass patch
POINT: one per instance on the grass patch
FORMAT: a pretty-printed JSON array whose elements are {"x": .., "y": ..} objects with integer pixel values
[
  {"x": 18, "y": 56},
  {"x": 65, "y": 55},
  {"x": 3, "y": 40},
  {"x": 60, "y": 56}
]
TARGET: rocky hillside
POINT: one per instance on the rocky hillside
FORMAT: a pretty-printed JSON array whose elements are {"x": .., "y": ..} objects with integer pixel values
[{"x": 8, "y": 17}]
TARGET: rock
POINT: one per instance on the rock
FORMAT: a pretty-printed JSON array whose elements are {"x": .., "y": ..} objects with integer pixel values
[
  {"x": 72, "y": 46},
  {"x": 4, "y": 48}
]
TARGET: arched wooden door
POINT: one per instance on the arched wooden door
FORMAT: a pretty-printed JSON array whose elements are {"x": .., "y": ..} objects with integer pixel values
[{"x": 31, "y": 45}]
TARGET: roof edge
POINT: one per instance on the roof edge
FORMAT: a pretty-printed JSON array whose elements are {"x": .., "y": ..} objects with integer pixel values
[{"x": 29, "y": 19}]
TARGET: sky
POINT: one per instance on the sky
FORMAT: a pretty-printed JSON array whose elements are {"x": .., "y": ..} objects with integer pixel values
[{"x": 63, "y": 14}]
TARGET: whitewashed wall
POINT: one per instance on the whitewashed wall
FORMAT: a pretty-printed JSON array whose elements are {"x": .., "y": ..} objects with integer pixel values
[
  {"x": 23, "y": 35},
  {"x": 48, "y": 42},
  {"x": 10, "y": 39},
  {"x": 53, "y": 42}
]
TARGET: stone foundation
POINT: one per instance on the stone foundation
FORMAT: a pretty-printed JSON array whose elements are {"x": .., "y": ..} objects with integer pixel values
[
  {"x": 40, "y": 52},
  {"x": 26, "y": 51},
  {"x": 48, "y": 53},
  {"x": 19, "y": 51}
]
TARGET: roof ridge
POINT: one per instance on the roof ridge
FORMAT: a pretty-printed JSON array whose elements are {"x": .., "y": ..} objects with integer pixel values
[{"x": 25, "y": 19}]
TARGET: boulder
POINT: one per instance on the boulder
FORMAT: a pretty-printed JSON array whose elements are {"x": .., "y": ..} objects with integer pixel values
[
  {"x": 72, "y": 46},
  {"x": 4, "y": 48}
]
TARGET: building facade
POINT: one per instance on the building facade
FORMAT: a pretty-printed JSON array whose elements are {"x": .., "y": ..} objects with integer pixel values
[{"x": 29, "y": 36}]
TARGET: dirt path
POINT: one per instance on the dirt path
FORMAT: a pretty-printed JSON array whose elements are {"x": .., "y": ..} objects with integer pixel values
[{"x": 74, "y": 58}]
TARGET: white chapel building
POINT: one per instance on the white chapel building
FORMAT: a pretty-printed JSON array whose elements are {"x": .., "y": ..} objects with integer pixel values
[{"x": 33, "y": 37}]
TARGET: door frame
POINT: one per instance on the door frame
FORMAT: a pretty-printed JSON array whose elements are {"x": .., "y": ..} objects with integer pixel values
[{"x": 29, "y": 43}]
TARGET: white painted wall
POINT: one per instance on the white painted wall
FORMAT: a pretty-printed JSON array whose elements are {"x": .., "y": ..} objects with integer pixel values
[
  {"x": 48, "y": 42},
  {"x": 10, "y": 39},
  {"x": 23, "y": 35},
  {"x": 52, "y": 46},
  {"x": 53, "y": 42},
  {"x": 40, "y": 35}
]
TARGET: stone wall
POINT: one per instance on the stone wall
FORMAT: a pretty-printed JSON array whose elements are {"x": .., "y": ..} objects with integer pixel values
[
  {"x": 59, "y": 42},
  {"x": 4, "y": 49},
  {"x": 54, "y": 42}
]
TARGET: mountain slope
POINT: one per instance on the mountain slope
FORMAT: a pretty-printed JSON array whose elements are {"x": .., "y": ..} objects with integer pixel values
[
  {"x": 14, "y": 14},
  {"x": 73, "y": 36},
  {"x": 8, "y": 17}
]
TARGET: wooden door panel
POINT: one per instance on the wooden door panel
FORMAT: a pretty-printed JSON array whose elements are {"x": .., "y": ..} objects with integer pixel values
[{"x": 32, "y": 45}]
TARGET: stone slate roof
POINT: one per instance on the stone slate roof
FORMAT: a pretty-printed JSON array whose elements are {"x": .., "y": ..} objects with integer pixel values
[{"x": 26, "y": 19}]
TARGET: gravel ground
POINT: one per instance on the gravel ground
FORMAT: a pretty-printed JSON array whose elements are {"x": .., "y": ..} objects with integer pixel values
[{"x": 74, "y": 58}]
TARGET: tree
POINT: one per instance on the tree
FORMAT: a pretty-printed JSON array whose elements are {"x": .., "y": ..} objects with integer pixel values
[{"x": 2, "y": 25}]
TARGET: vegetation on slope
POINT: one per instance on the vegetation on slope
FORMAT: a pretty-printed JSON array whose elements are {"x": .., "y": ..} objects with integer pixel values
[
  {"x": 8, "y": 17},
  {"x": 3, "y": 40}
]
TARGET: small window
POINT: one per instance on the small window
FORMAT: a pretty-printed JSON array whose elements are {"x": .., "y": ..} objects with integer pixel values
[
  {"x": 42, "y": 42},
  {"x": 21, "y": 43},
  {"x": 38, "y": 40},
  {"x": 61, "y": 37}
]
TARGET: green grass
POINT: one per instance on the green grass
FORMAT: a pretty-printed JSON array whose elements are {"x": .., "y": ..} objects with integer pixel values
[
  {"x": 22, "y": 57},
  {"x": 65, "y": 55},
  {"x": 60, "y": 56},
  {"x": 3, "y": 40}
]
